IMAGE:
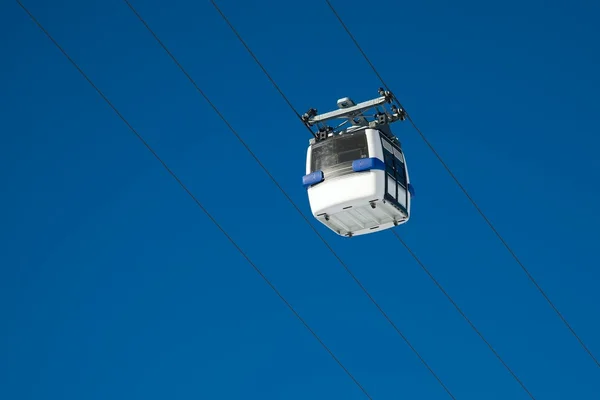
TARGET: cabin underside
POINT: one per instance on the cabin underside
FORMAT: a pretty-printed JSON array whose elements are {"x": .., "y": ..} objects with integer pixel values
[{"x": 370, "y": 217}]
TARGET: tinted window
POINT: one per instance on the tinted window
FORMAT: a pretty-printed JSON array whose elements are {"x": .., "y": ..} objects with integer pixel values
[
  {"x": 389, "y": 159},
  {"x": 393, "y": 165},
  {"x": 339, "y": 149},
  {"x": 400, "y": 173}
]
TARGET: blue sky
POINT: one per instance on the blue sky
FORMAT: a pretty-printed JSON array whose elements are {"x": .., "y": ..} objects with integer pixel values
[{"x": 113, "y": 284}]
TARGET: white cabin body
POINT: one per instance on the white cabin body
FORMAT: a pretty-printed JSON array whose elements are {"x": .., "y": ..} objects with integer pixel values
[{"x": 358, "y": 182}]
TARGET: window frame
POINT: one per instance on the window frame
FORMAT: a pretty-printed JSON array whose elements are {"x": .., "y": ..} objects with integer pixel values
[{"x": 395, "y": 168}]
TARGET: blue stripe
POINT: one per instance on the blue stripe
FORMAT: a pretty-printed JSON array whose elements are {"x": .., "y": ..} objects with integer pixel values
[
  {"x": 312, "y": 179},
  {"x": 366, "y": 164}
]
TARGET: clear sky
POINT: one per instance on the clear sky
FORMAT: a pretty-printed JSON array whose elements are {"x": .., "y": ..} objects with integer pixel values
[{"x": 114, "y": 285}]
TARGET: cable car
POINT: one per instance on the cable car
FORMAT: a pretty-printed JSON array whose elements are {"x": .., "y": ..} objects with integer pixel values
[{"x": 357, "y": 177}]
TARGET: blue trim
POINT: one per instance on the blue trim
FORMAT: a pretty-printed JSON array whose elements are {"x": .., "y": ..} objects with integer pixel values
[
  {"x": 366, "y": 164},
  {"x": 411, "y": 190},
  {"x": 312, "y": 179}
]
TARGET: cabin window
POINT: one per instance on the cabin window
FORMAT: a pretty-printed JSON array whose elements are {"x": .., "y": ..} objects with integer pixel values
[
  {"x": 400, "y": 175},
  {"x": 394, "y": 162},
  {"x": 339, "y": 149},
  {"x": 396, "y": 185}
]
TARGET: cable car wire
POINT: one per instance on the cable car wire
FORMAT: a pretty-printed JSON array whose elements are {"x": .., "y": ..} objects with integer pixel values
[
  {"x": 435, "y": 281},
  {"x": 439, "y": 285},
  {"x": 253, "y": 56},
  {"x": 289, "y": 103},
  {"x": 344, "y": 265},
  {"x": 198, "y": 203},
  {"x": 473, "y": 202}
]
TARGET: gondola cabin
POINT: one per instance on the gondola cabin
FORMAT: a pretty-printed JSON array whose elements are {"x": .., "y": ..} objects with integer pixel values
[{"x": 358, "y": 182}]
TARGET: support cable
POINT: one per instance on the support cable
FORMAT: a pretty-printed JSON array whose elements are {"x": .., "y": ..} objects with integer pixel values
[
  {"x": 460, "y": 311},
  {"x": 344, "y": 265},
  {"x": 395, "y": 233}
]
